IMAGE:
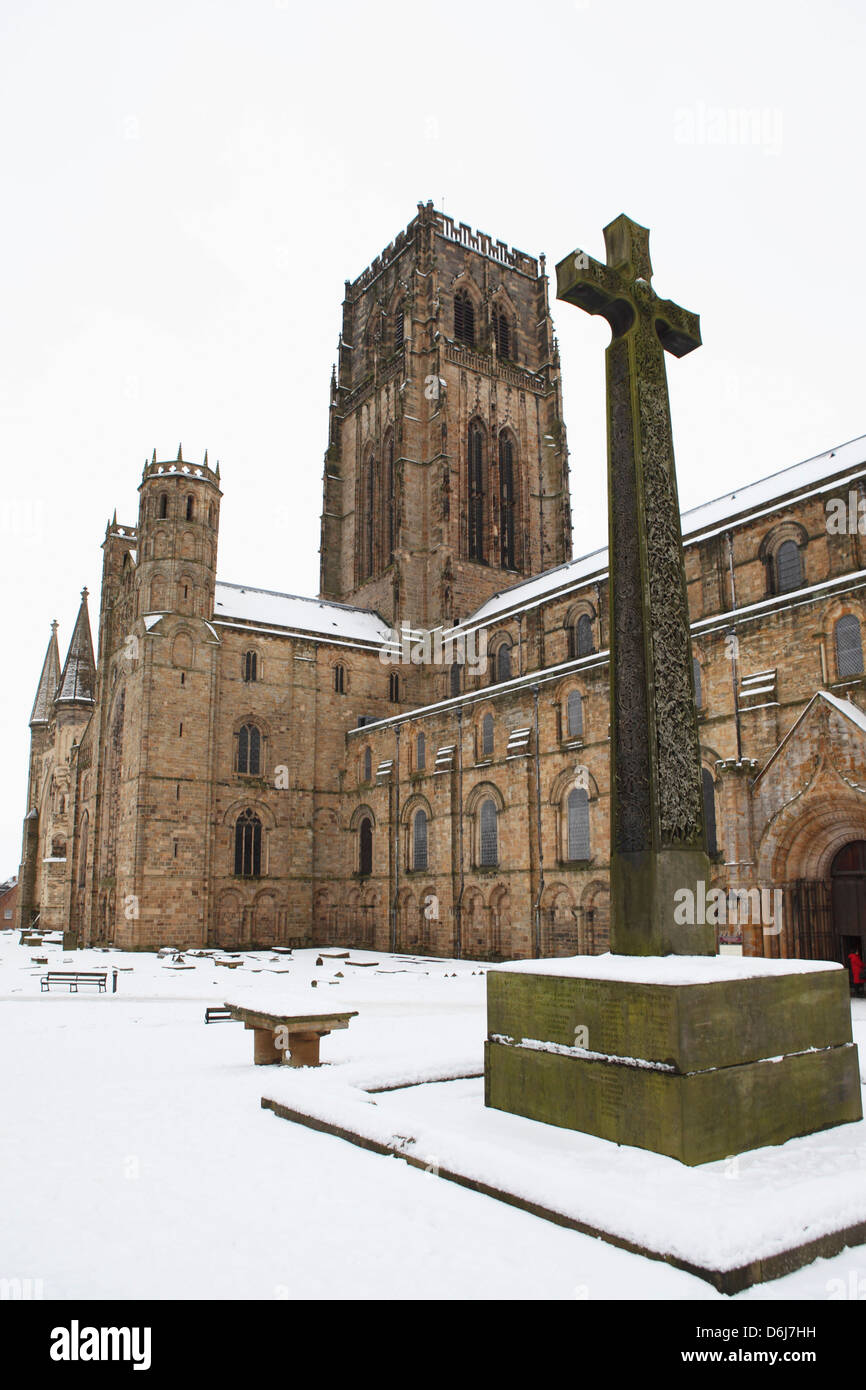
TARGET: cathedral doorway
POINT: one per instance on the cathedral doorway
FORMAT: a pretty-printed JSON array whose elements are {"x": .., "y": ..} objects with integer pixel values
[{"x": 848, "y": 889}]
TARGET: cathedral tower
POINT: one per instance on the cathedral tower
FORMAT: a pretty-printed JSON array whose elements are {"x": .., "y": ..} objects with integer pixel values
[
  {"x": 178, "y": 526},
  {"x": 446, "y": 473}
]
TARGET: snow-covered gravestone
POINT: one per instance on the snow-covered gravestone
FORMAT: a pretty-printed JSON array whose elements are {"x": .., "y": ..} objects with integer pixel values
[{"x": 661, "y": 1045}]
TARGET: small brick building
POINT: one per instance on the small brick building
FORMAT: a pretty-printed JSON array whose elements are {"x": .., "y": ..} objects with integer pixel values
[
  {"x": 244, "y": 767},
  {"x": 9, "y": 904}
]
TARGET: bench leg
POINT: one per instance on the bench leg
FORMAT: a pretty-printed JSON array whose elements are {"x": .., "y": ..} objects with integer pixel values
[
  {"x": 304, "y": 1049},
  {"x": 265, "y": 1048}
]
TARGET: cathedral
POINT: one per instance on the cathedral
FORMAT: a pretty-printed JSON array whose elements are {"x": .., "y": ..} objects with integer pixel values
[{"x": 418, "y": 759}]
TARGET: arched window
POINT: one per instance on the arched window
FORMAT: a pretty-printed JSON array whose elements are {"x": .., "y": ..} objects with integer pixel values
[
  {"x": 190, "y": 507},
  {"x": 699, "y": 691},
  {"x": 163, "y": 505},
  {"x": 420, "y": 753},
  {"x": 340, "y": 679},
  {"x": 251, "y": 666},
  {"x": 464, "y": 319},
  {"x": 389, "y": 494},
  {"x": 789, "y": 567},
  {"x": 501, "y": 333},
  {"x": 368, "y": 764},
  {"x": 503, "y": 663},
  {"x": 582, "y": 643},
  {"x": 369, "y": 505},
  {"x": 476, "y": 493},
  {"x": 398, "y": 329},
  {"x": 578, "y": 823},
  {"x": 248, "y": 845},
  {"x": 849, "y": 647},
  {"x": 419, "y": 839},
  {"x": 394, "y": 687},
  {"x": 709, "y": 788},
  {"x": 489, "y": 833},
  {"x": 574, "y": 714},
  {"x": 210, "y": 514},
  {"x": 455, "y": 678},
  {"x": 82, "y": 850},
  {"x": 487, "y": 736},
  {"x": 506, "y": 503},
  {"x": 249, "y": 750},
  {"x": 365, "y": 846}
]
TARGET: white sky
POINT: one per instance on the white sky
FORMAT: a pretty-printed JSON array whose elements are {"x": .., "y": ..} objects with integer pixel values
[{"x": 187, "y": 186}]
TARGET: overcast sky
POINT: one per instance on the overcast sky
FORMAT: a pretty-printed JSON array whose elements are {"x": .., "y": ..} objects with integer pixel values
[{"x": 187, "y": 186}]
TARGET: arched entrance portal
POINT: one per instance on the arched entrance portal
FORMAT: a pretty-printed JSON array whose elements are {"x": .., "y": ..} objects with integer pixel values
[{"x": 848, "y": 896}]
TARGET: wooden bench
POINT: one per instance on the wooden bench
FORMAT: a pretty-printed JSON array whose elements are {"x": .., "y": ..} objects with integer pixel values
[
  {"x": 216, "y": 1013},
  {"x": 290, "y": 1038},
  {"x": 74, "y": 978}
]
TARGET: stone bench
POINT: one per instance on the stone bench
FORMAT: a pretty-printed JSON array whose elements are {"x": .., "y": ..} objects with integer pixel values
[{"x": 290, "y": 1038}]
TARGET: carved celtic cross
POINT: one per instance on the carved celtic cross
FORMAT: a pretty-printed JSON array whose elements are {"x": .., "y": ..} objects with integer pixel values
[{"x": 658, "y": 841}]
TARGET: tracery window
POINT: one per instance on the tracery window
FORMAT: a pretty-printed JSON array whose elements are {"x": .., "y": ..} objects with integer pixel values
[{"x": 464, "y": 318}]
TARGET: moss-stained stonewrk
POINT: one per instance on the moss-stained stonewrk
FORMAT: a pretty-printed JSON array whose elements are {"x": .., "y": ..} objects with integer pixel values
[
  {"x": 695, "y": 1071},
  {"x": 698, "y": 1118},
  {"x": 689, "y": 1028}
]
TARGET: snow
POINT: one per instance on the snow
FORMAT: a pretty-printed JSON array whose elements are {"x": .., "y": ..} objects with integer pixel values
[
  {"x": 137, "y": 1161},
  {"x": 298, "y": 614},
  {"x": 845, "y": 707},
  {"x": 560, "y": 1050},
  {"x": 667, "y": 970}
]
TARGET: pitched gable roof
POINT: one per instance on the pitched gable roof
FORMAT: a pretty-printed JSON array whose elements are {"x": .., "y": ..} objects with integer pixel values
[{"x": 843, "y": 707}]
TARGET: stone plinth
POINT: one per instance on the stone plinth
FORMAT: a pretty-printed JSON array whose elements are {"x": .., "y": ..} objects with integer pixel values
[{"x": 691, "y": 1057}]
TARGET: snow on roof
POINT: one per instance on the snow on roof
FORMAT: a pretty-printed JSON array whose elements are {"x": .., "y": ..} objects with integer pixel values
[
  {"x": 313, "y": 615},
  {"x": 847, "y": 708},
  {"x": 564, "y": 576},
  {"x": 694, "y": 522},
  {"x": 776, "y": 485}
]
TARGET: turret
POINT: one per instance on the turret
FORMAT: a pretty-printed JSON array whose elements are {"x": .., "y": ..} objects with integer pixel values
[
  {"x": 178, "y": 528},
  {"x": 42, "y": 715},
  {"x": 49, "y": 680},
  {"x": 77, "y": 684}
]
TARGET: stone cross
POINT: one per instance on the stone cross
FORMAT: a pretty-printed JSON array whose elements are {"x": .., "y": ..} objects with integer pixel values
[{"x": 658, "y": 838}]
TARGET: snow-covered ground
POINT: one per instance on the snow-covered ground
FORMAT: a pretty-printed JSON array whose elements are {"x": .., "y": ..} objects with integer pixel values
[{"x": 137, "y": 1162}]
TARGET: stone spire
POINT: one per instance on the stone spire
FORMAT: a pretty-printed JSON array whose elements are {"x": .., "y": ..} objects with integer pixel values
[
  {"x": 77, "y": 685},
  {"x": 48, "y": 682}
]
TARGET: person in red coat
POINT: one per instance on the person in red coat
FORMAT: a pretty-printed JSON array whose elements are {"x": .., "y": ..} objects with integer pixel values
[{"x": 858, "y": 971}]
